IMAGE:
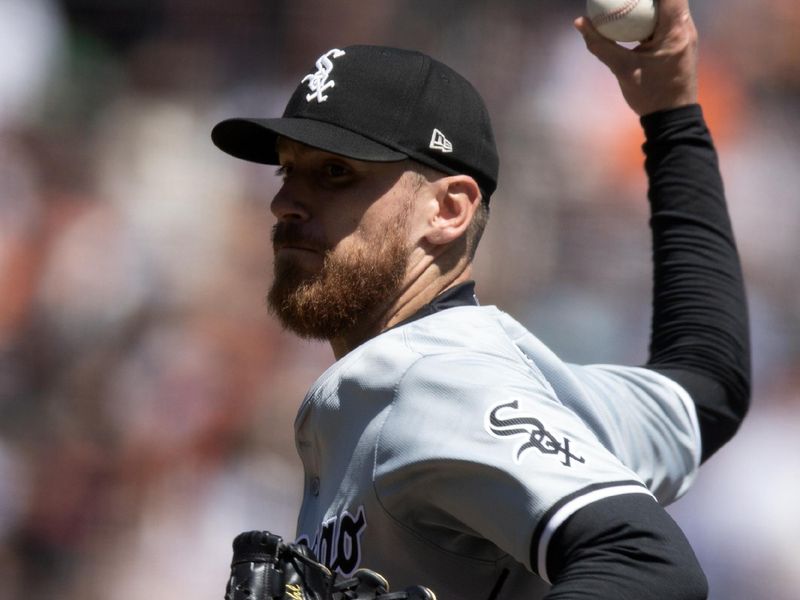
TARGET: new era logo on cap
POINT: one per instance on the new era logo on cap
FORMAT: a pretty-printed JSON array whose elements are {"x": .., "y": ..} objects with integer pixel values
[
  {"x": 375, "y": 103},
  {"x": 439, "y": 142}
]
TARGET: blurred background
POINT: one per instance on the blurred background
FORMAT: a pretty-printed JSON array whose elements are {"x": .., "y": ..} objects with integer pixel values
[{"x": 147, "y": 398}]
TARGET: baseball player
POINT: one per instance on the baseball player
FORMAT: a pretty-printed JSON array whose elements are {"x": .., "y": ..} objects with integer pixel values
[{"x": 447, "y": 445}]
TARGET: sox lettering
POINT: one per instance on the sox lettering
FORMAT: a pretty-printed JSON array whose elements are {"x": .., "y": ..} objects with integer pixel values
[
  {"x": 337, "y": 542},
  {"x": 538, "y": 437},
  {"x": 318, "y": 82}
]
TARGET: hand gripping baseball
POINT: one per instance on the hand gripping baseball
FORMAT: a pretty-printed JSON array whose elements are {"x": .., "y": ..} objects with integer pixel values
[
  {"x": 661, "y": 72},
  {"x": 266, "y": 568}
]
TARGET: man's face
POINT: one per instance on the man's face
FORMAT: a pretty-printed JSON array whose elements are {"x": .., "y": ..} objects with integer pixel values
[{"x": 342, "y": 240}]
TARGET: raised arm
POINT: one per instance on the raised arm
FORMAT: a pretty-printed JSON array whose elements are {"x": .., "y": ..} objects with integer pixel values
[
  {"x": 628, "y": 546},
  {"x": 699, "y": 334}
]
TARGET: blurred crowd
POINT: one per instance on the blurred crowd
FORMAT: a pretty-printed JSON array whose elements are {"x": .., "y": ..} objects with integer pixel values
[{"x": 147, "y": 398}]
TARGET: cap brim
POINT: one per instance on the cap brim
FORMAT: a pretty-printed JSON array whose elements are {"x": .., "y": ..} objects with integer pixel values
[{"x": 255, "y": 139}]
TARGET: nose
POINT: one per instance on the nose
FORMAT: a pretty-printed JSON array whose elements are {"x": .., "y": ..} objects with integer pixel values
[{"x": 286, "y": 207}]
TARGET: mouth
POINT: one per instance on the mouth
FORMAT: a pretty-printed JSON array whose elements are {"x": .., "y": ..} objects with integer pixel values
[
  {"x": 289, "y": 237},
  {"x": 296, "y": 247}
]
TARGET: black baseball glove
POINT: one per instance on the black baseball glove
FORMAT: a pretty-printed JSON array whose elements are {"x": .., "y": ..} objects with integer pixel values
[{"x": 266, "y": 568}]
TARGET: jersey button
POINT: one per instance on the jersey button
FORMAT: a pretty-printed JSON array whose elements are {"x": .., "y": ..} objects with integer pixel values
[{"x": 315, "y": 486}]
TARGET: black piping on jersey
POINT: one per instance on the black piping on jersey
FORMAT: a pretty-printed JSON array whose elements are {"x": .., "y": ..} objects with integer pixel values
[
  {"x": 498, "y": 586},
  {"x": 612, "y": 488},
  {"x": 700, "y": 333}
]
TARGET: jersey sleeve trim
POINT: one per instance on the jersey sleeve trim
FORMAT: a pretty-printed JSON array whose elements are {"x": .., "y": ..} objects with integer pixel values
[
  {"x": 566, "y": 507},
  {"x": 691, "y": 410}
]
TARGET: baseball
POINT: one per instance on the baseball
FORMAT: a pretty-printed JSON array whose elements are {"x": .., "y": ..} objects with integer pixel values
[{"x": 623, "y": 20}]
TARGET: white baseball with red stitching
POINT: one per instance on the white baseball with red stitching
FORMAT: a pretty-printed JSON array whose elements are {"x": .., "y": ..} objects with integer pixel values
[{"x": 623, "y": 20}]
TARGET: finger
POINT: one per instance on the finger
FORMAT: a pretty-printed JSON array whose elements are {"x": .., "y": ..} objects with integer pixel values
[
  {"x": 672, "y": 10},
  {"x": 674, "y": 26},
  {"x": 672, "y": 14},
  {"x": 609, "y": 52}
]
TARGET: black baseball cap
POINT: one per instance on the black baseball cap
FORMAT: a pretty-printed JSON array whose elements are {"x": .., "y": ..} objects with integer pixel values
[{"x": 380, "y": 104}]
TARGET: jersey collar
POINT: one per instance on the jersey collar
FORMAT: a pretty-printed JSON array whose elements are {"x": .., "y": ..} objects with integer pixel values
[{"x": 461, "y": 295}]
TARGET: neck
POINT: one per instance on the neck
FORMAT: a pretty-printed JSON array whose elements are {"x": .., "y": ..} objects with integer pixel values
[{"x": 420, "y": 290}]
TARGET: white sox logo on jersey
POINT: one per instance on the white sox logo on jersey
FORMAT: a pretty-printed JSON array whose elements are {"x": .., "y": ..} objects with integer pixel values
[
  {"x": 337, "y": 541},
  {"x": 319, "y": 82},
  {"x": 538, "y": 437}
]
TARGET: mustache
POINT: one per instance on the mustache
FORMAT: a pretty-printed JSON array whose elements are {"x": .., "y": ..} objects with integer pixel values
[{"x": 293, "y": 235}]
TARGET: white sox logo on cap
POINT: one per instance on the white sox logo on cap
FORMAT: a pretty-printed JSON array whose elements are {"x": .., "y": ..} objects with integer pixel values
[{"x": 319, "y": 82}]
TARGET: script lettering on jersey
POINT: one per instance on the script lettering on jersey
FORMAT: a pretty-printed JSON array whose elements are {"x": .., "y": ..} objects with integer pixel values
[
  {"x": 337, "y": 541},
  {"x": 538, "y": 438},
  {"x": 320, "y": 81}
]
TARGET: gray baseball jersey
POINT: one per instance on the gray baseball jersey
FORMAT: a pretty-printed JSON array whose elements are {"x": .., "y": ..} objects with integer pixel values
[{"x": 441, "y": 451}]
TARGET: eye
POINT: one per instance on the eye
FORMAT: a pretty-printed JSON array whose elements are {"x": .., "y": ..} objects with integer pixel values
[
  {"x": 283, "y": 171},
  {"x": 336, "y": 170}
]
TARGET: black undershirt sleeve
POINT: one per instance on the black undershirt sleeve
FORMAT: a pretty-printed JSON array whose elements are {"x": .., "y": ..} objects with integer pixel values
[
  {"x": 699, "y": 335},
  {"x": 625, "y": 548}
]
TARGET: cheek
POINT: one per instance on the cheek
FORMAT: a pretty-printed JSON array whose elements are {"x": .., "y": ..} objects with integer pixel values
[
  {"x": 371, "y": 221},
  {"x": 357, "y": 243},
  {"x": 393, "y": 231},
  {"x": 399, "y": 217},
  {"x": 340, "y": 228},
  {"x": 365, "y": 243}
]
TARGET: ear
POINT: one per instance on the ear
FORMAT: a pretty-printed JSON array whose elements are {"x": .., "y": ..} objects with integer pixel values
[{"x": 457, "y": 198}]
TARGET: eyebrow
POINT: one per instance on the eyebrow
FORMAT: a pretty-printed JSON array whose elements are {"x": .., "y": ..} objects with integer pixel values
[
  {"x": 289, "y": 145},
  {"x": 282, "y": 143}
]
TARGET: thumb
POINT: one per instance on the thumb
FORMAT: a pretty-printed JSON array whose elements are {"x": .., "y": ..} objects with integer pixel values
[{"x": 609, "y": 52}]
